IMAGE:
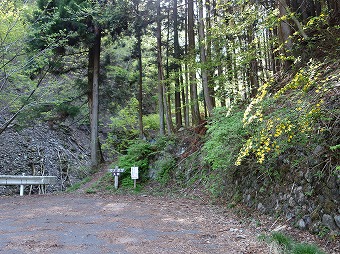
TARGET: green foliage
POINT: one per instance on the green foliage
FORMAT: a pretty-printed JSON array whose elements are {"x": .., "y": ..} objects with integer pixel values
[
  {"x": 105, "y": 183},
  {"x": 336, "y": 147},
  {"x": 151, "y": 123},
  {"x": 124, "y": 127},
  {"x": 274, "y": 129},
  {"x": 77, "y": 185},
  {"x": 165, "y": 169},
  {"x": 138, "y": 154},
  {"x": 282, "y": 239},
  {"x": 225, "y": 138},
  {"x": 304, "y": 248},
  {"x": 226, "y": 135},
  {"x": 289, "y": 246}
]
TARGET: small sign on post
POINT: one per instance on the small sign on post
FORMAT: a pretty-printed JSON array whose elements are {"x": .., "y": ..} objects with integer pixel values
[
  {"x": 134, "y": 175},
  {"x": 116, "y": 172}
]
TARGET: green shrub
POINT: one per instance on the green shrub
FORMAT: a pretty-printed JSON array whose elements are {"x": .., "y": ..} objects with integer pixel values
[
  {"x": 225, "y": 138},
  {"x": 283, "y": 240},
  {"x": 304, "y": 248},
  {"x": 165, "y": 167},
  {"x": 151, "y": 122},
  {"x": 125, "y": 127},
  {"x": 289, "y": 246},
  {"x": 138, "y": 154},
  {"x": 77, "y": 185}
]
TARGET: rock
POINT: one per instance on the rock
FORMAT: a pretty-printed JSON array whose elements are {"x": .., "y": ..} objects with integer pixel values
[
  {"x": 302, "y": 224},
  {"x": 329, "y": 206},
  {"x": 248, "y": 200},
  {"x": 277, "y": 206},
  {"x": 291, "y": 202},
  {"x": 181, "y": 129},
  {"x": 289, "y": 216},
  {"x": 261, "y": 208},
  {"x": 28, "y": 148},
  {"x": 321, "y": 199},
  {"x": 308, "y": 176},
  {"x": 300, "y": 198},
  {"x": 241, "y": 237},
  {"x": 315, "y": 214},
  {"x": 331, "y": 182},
  {"x": 318, "y": 150},
  {"x": 337, "y": 220},
  {"x": 308, "y": 220},
  {"x": 328, "y": 221},
  {"x": 315, "y": 227}
]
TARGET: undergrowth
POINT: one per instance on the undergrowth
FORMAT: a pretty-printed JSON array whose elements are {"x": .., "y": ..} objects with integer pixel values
[
  {"x": 286, "y": 245},
  {"x": 77, "y": 185}
]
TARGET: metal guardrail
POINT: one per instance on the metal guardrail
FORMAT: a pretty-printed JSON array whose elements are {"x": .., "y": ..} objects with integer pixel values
[{"x": 26, "y": 180}]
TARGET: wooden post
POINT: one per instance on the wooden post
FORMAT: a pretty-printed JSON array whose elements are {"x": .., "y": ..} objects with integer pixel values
[
  {"x": 134, "y": 175},
  {"x": 116, "y": 181},
  {"x": 116, "y": 172}
]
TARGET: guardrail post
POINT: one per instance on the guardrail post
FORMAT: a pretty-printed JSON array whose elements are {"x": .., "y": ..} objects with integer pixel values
[
  {"x": 21, "y": 190},
  {"x": 22, "y": 187}
]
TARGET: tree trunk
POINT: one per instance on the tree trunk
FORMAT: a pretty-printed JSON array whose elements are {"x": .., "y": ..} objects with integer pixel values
[
  {"x": 210, "y": 68},
  {"x": 334, "y": 16},
  {"x": 253, "y": 65},
  {"x": 195, "y": 114},
  {"x": 167, "y": 87},
  {"x": 178, "y": 111},
  {"x": 208, "y": 101},
  {"x": 95, "y": 100},
  {"x": 140, "y": 85},
  {"x": 160, "y": 72},
  {"x": 284, "y": 32},
  {"x": 186, "y": 73}
]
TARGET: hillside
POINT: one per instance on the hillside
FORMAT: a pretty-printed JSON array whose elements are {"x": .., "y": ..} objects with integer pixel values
[{"x": 231, "y": 102}]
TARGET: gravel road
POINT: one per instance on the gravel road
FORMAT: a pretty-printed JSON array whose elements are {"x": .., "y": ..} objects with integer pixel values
[{"x": 69, "y": 223}]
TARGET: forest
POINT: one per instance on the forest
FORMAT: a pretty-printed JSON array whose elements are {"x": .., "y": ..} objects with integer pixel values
[{"x": 236, "y": 98}]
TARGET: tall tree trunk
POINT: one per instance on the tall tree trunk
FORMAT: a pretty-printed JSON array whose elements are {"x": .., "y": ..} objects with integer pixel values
[
  {"x": 140, "y": 85},
  {"x": 253, "y": 66},
  {"x": 204, "y": 71},
  {"x": 195, "y": 113},
  {"x": 186, "y": 105},
  {"x": 211, "y": 69},
  {"x": 178, "y": 111},
  {"x": 167, "y": 87},
  {"x": 334, "y": 16},
  {"x": 160, "y": 73},
  {"x": 284, "y": 32},
  {"x": 95, "y": 99}
]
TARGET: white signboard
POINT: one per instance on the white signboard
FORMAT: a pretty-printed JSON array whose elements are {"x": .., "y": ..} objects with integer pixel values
[{"x": 134, "y": 173}]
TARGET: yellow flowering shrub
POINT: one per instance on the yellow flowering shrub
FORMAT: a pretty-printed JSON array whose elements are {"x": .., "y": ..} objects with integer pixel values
[{"x": 275, "y": 127}]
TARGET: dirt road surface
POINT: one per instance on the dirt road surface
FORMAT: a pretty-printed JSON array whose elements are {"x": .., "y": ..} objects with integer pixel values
[{"x": 90, "y": 224}]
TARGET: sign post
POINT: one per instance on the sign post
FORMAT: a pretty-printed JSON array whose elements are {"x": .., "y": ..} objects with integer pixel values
[
  {"x": 116, "y": 172},
  {"x": 134, "y": 175}
]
